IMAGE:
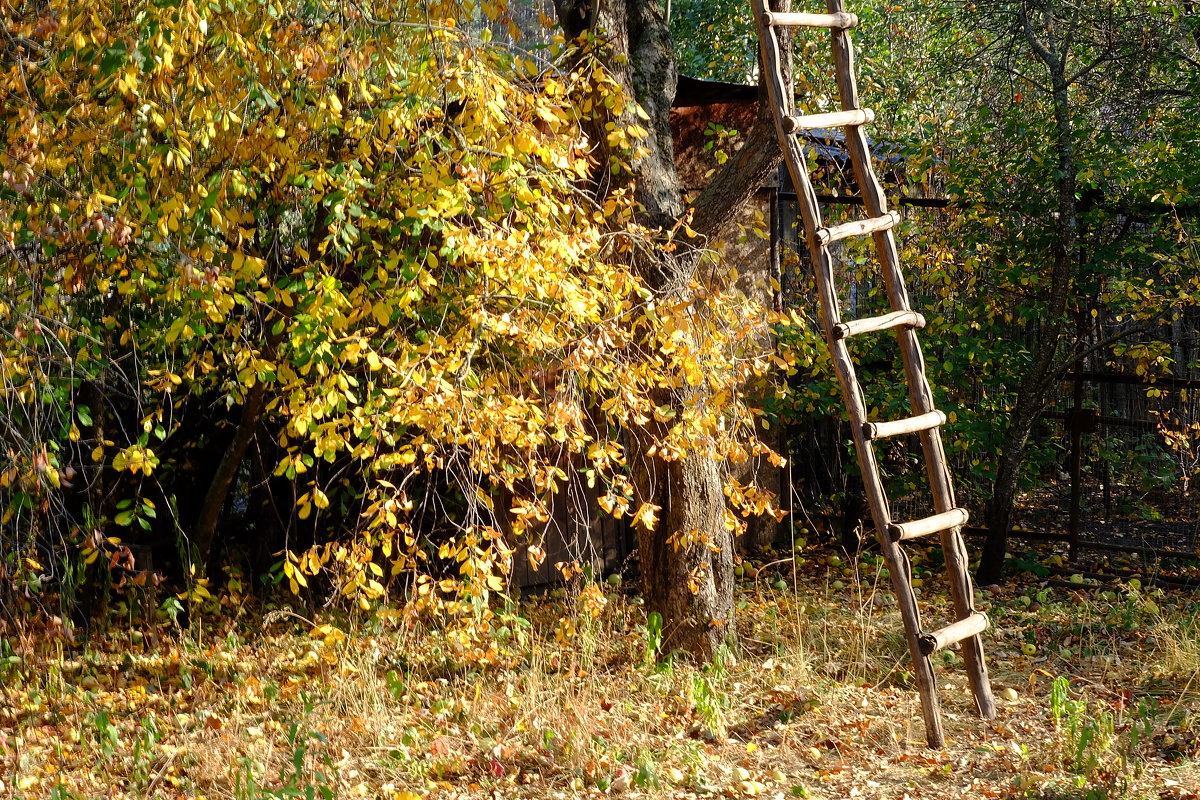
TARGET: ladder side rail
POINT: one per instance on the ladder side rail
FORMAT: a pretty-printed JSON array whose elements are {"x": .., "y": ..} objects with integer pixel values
[
  {"x": 955, "y": 551},
  {"x": 771, "y": 62},
  {"x": 920, "y": 393},
  {"x": 875, "y": 203},
  {"x": 810, "y": 213},
  {"x": 910, "y": 612},
  {"x": 779, "y": 96},
  {"x": 954, "y": 548}
]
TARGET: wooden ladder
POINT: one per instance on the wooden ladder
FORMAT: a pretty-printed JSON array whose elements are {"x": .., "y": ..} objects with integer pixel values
[{"x": 903, "y": 321}]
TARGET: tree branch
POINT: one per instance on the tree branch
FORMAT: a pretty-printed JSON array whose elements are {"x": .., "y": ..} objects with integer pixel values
[{"x": 741, "y": 176}]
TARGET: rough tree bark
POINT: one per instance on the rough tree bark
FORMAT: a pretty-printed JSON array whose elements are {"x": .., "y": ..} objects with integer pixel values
[
  {"x": 204, "y": 532},
  {"x": 690, "y": 585}
]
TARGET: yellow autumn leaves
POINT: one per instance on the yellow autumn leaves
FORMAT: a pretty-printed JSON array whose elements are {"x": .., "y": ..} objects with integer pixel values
[{"x": 385, "y": 231}]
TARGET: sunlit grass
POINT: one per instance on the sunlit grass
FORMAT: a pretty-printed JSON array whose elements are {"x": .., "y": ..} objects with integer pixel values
[{"x": 817, "y": 701}]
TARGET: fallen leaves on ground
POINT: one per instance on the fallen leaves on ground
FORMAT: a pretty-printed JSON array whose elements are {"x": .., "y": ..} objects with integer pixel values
[{"x": 818, "y": 704}]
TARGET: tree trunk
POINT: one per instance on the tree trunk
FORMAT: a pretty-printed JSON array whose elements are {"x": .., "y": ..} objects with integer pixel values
[
  {"x": 205, "y": 531},
  {"x": 687, "y": 558},
  {"x": 689, "y": 583},
  {"x": 1047, "y": 364},
  {"x": 1004, "y": 489}
]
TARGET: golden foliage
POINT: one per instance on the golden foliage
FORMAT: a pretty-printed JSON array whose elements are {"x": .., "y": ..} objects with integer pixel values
[{"x": 376, "y": 219}]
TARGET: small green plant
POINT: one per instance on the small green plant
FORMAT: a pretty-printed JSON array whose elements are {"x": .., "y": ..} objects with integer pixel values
[
  {"x": 1092, "y": 740},
  {"x": 514, "y": 629},
  {"x": 10, "y": 662},
  {"x": 296, "y": 779},
  {"x": 706, "y": 697},
  {"x": 1140, "y": 730},
  {"x": 652, "y": 637},
  {"x": 108, "y": 737},
  {"x": 171, "y": 608},
  {"x": 145, "y": 752},
  {"x": 245, "y": 782},
  {"x": 1029, "y": 562},
  {"x": 395, "y": 684},
  {"x": 645, "y": 774},
  {"x": 292, "y": 777}
]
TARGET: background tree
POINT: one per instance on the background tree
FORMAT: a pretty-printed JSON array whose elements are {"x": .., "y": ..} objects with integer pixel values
[
  {"x": 1069, "y": 109},
  {"x": 714, "y": 40}
]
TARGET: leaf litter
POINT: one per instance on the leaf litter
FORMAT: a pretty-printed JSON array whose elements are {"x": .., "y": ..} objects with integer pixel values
[{"x": 1096, "y": 687}]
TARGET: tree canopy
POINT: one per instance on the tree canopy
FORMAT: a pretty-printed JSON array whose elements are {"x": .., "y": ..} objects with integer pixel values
[{"x": 339, "y": 263}]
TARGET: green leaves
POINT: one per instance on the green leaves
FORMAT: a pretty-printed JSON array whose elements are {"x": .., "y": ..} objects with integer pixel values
[{"x": 113, "y": 59}]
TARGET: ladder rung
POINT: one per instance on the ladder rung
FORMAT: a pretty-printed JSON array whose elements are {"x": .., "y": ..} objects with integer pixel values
[
  {"x": 834, "y": 119},
  {"x": 954, "y": 518},
  {"x": 840, "y": 20},
  {"x": 860, "y": 227},
  {"x": 844, "y": 330},
  {"x": 921, "y": 422},
  {"x": 953, "y": 633}
]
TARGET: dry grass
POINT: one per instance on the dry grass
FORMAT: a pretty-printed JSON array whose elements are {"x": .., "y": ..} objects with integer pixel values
[{"x": 816, "y": 704}]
